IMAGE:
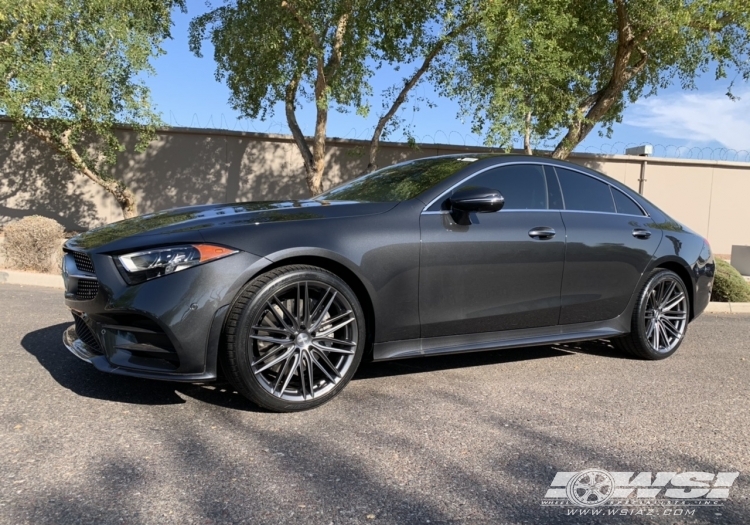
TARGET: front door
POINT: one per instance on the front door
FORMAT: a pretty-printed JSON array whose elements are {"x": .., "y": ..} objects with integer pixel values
[{"x": 501, "y": 272}]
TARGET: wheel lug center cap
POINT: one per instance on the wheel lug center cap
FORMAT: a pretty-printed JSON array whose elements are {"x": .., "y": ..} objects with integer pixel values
[{"x": 303, "y": 340}]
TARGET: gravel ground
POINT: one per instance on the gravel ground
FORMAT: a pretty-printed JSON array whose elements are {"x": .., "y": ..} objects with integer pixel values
[{"x": 460, "y": 439}]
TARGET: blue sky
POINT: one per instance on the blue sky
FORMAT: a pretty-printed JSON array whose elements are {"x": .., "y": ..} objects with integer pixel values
[{"x": 186, "y": 92}]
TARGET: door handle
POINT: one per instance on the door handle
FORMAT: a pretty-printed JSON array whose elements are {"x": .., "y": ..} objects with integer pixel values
[
  {"x": 640, "y": 233},
  {"x": 542, "y": 232}
]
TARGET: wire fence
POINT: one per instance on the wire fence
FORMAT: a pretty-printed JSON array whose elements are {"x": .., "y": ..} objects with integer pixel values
[{"x": 457, "y": 138}]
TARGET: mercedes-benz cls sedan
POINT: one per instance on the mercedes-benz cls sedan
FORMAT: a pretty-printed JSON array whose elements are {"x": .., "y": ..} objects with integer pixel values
[{"x": 439, "y": 255}]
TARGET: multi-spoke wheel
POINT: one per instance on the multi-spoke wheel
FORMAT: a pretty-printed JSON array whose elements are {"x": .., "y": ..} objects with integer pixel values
[
  {"x": 660, "y": 318},
  {"x": 295, "y": 337}
]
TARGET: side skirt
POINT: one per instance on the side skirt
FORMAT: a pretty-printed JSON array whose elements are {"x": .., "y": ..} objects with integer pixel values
[{"x": 456, "y": 344}]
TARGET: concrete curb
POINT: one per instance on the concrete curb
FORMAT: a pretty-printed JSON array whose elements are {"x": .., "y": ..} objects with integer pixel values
[
  {"x": 728, "y": 308},
  {"x": 48, "y": 280}
]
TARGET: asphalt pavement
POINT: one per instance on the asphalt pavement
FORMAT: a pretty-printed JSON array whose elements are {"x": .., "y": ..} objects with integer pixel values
[{"x": 459, "y": 439}]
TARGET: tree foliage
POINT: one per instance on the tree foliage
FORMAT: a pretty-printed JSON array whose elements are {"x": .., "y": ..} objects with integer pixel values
[
  {"x": 320, "y": 51},
  {"x": 573, "y": 65},
  {"x": 72, "y": 69}
]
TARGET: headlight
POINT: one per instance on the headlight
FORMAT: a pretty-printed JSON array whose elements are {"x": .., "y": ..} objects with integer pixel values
[{"x": 142, "y": 266}]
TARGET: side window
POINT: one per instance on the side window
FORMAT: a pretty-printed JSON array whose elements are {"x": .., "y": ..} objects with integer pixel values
[
  {"x": 523, "y": 185},
  {"x": 625, "y": 204},
  {"x": 584, "y": 193},
  {"x": 555, "y": 195}
]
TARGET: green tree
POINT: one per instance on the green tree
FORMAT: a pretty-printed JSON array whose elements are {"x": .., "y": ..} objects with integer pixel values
[
  {"x": 322, "y": 51},
  {"x": 574, "y": 65},
  {"x": 72, "y": 70},
  {"x": 447, "y": 23}
]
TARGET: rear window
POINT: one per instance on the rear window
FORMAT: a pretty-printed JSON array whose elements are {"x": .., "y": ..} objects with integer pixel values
[
  {"x": 396, "y": 183},
  {"x": 584, "y": 193}
]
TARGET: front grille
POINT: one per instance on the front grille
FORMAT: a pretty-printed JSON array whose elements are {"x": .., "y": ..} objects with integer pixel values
[
  {"x": 83, "y": 262},
  {"x": 87, "y": 289},
  {"x": 86, "y": 335}
]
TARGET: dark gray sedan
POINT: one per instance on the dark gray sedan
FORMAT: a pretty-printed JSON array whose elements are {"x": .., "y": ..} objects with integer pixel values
[{"x": 433, "y": 256}]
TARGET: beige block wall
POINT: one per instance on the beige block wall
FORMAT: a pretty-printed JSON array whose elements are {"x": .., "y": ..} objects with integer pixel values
[{"x": 189, "y": 166}]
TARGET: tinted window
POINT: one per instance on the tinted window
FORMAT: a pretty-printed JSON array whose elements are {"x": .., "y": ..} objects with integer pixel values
[
  {"x": 584, "y": 193},
  {"x": 522, "y": 185},
  {"x": 625, "y": 204},
  {"x": 553, "y": 187},
  {"x": 396, "y": 183}
]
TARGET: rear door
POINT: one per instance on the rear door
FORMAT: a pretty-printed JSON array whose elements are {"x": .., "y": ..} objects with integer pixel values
[
  {"x": 493, "y": 274},
  {"x": 610, "y": 242}
]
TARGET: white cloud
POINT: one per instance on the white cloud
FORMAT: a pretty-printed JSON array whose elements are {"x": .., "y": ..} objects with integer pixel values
[{"x": 696, "y": 118}]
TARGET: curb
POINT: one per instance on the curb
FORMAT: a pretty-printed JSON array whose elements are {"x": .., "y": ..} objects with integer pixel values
[
  {"x": 50, "y": 280},
  {"x": 727, "y": 308},
  {"x": 47, "y": 280}
]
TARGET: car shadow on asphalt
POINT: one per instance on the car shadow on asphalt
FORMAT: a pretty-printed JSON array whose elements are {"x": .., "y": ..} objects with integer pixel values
[{"x": 84, "y": 380}]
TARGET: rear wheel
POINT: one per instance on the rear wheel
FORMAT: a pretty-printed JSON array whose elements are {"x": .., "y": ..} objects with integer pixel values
[
  {"x": 660, "y": 317},
  {"x": 294, "y": 338}
]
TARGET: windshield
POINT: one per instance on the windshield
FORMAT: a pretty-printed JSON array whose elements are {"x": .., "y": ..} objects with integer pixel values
[{"x": 397, "y": 183}]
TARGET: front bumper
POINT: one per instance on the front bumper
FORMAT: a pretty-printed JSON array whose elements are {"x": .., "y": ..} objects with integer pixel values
[{"x": 167, "y": 328}]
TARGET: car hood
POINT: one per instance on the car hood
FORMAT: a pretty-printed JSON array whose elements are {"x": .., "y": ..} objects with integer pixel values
[{"x": 181, "y": 224}]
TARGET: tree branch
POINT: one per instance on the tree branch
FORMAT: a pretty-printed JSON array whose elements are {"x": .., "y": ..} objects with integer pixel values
[
  {"x": 401, "y": 98},
  {"x": 305, "y": 25},
  {"x": 291, "y": 118},
  {"x": 335, "y": 59}
]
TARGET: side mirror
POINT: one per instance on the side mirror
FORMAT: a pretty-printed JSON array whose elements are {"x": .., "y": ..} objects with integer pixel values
[{"x": 478, "y": 200}]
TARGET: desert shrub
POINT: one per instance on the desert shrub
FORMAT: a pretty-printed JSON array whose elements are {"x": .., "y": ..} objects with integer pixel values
[
  {"x": 729, "y": 285},
  {"x": 33, "y": 244}
]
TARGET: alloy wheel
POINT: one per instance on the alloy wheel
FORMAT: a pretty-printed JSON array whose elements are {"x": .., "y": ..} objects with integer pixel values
[
  {"x": 665, "y": 315},
  {"x": 303, "y": 341}
]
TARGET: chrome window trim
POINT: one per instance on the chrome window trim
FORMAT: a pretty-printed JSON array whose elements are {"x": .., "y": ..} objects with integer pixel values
[
  {"x": 631, "y": 199},
  {"x": 544, "y": 165}
]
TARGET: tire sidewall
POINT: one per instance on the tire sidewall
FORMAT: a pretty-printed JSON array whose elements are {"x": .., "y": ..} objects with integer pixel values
[
  {"x": 243, "y": 344},
  {"x": 653, "y": 281}
]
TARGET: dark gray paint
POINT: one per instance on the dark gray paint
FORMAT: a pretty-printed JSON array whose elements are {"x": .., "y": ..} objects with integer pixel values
[{"x": 480, "y": 285}]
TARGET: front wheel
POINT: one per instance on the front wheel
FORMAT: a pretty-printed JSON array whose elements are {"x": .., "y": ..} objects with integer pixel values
[
  {"x": 294, "y": 338},
  {"x": 660, "y": 317}
]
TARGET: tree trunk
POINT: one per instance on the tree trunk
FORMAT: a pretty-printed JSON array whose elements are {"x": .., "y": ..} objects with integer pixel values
[
  {"x": 527, "y": 135},
  {"x": 124, "y": 197},
  {"x": 596, "y": 106}
]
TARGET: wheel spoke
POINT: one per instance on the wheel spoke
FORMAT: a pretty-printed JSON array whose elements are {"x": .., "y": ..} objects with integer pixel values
[
  {"x": 322, "y": 315},
  {"x": 276, "y": 361},
  {"x": 670, "y": 327},
  {"x": 272, "y": 304},
  {"x": 336, "y": 328},
  {"x": 332, "y": 349},
  {"x": 321, "y": 302},
  {"x": 335, "y": 341},
  {"x": 675, "y": 301},
  {"x": 324, "y": 358},
  {"x": 288, "y": 368},
  {"x": 657, "y": 330},
  {"x": 273, "y": 340},
  {"x": 270, "y": 353},
  {"x": 669, "y": 289},
  {"x": 262, "y": 328},
  {"x": 675, "y": 315},
  {"x": 663, "y": 335}
]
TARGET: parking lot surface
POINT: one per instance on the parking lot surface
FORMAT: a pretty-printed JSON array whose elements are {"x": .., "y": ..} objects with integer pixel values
[{"x": 460, "y": 439}]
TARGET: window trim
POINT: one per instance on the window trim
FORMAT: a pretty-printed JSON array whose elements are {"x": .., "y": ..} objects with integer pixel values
[
  {"x": 613, "y": 189},
  {"x": 545, "y": 165}
]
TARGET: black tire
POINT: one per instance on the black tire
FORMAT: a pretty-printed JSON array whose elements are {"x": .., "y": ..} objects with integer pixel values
[
  {"x": 640, "y": 341},
  {"x": 269, "y": 310}
]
